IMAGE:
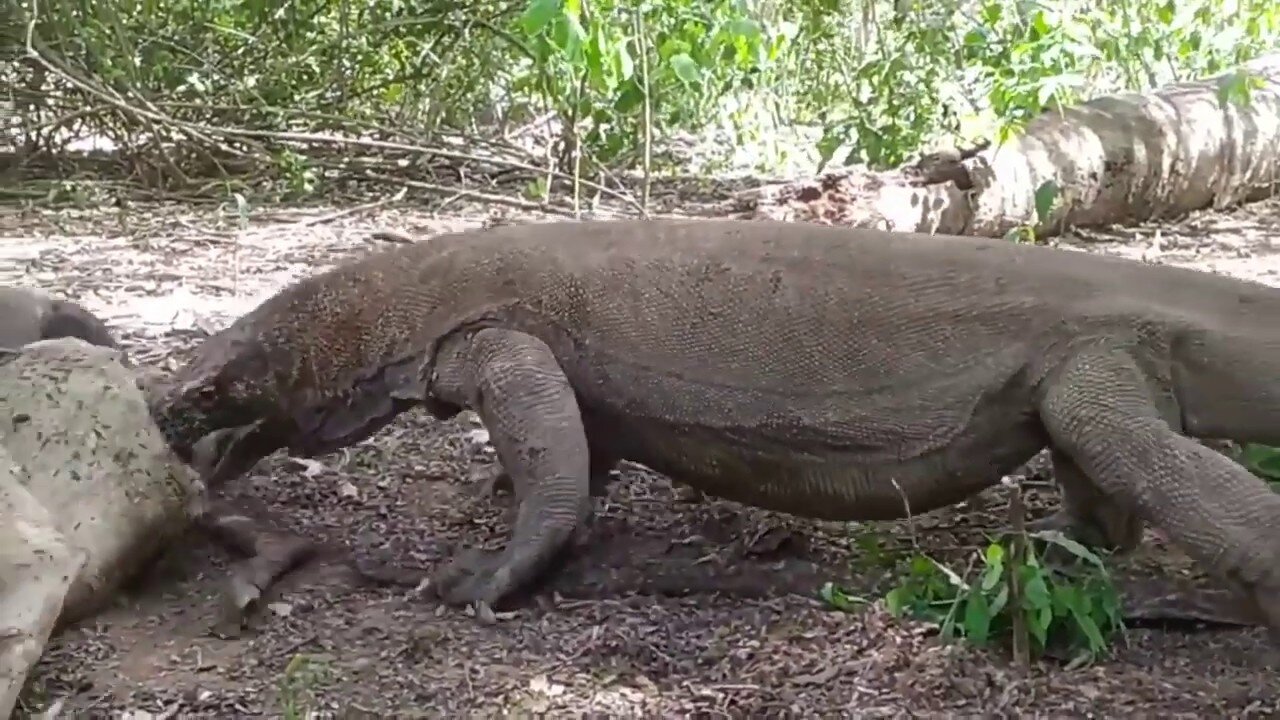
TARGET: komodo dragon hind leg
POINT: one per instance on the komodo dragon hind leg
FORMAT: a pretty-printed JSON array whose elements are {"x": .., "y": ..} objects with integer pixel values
[
  {"x": 1087, "y": 515},
  {"x": 1099, "y": 412},
  {"x": 529, "y": 408}
]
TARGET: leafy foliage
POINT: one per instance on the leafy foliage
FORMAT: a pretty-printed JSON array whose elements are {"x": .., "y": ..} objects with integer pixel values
[
  {"x": 1072, "y": 607},
  {"x": 606, "y": 84},
  {"x": 299, "y": 684}
]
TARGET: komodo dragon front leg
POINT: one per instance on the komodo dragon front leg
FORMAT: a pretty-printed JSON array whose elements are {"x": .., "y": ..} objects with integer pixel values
[
  {"x": 1099, "y": 413},
  {"x": 513, "y": 381}
]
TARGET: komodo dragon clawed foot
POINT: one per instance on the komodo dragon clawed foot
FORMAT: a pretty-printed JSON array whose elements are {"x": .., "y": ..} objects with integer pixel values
[{"x": 472, "y": 576}]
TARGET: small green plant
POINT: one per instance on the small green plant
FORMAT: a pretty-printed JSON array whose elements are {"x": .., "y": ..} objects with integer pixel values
[
  {"x": 836, "y": 597},
  {"x": 297, "y": 686},
  {"x": 1075, "y": 608},
  {"x": 1047, "y": 197},
  {"x": 299, "y": 177}
]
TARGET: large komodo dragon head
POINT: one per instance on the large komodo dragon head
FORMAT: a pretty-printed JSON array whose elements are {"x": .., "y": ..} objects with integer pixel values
[{"x": 320, "y": 365}]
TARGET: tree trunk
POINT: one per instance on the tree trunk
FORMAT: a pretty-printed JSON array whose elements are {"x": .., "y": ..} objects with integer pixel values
[{"x": 1119, "y": 159}]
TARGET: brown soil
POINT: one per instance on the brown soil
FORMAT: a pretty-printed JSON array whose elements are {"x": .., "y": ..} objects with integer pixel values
[{"x": 672, "y": 608}]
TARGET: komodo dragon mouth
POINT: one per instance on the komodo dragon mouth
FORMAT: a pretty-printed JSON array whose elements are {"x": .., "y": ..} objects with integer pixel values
[{"x": 228, "y": 452}]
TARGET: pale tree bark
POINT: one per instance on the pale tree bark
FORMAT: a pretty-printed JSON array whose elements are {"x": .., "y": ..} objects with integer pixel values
[
  {"x": 1119, "y": 159},
  {"x": 89, "y": 493}
]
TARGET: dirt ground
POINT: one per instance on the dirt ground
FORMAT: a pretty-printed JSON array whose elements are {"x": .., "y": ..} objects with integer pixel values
[{"x": 672, "y": 609}]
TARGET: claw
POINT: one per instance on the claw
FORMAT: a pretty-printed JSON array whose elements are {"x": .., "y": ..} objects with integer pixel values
[
  {"x": 473, "y": 576},
  {"x": 240, "y": 599},
  {"x": 271, "y": 554},
  {"x": 242, "y": 596}
]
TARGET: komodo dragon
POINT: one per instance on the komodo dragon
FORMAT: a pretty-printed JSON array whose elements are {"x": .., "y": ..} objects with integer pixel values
[
  {"x": 828, "y": 372},
  {"x": 28, "y": 314}
]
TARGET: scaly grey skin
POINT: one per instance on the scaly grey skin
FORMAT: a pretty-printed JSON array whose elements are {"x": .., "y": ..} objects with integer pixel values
[
  {"x": 28, "y": 314},
  {"x": 827, "y": 372}
]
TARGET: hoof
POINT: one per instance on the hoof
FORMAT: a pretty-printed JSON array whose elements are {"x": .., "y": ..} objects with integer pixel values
[
  {"x": 241, "y": 597},
  {"x": 473, "y": 576}
]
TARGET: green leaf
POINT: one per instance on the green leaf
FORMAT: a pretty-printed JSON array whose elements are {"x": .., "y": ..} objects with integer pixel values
[
  {"x": 991, "y": 577},
  {"x": 1000, "y": 601},
  {"x": 895, "y": 601},
  {"x": 686, "y": 68},
  {"x": 977, "y": 619},
  {"x": 1035, "y": 591},
  {"x": 1038, "y": 627},
  {"x": 838, "y": 598},
  {"x": 1261, "y": 460},
  {"x": 995, "y": 554},
  {"x": 596, "y": 51},
  {"x": 1045, "y": 196},
  {"x": 631, "y": 97},
  {"x": 1087, "y": 626},
  {"x": 538, "y": 14},
  {"x": 745, "y": 28},
  {"x": 1056, "y": 537},
  {"x": 575, "y": 39},
  {"x": 623, "y": 64}
]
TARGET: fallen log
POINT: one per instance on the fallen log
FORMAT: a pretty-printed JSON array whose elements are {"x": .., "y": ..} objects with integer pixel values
[
  {"x": 89, "y": 493},
  {"x": 1119, "y": 159}
]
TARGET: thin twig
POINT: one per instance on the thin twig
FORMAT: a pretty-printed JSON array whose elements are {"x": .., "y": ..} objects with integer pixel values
[
  {"x": 475, "y": 194},
  {"x": 1017, "y": 560},
  {"x": 643, "y": 46},
  {"x": 354, "y": 210}
]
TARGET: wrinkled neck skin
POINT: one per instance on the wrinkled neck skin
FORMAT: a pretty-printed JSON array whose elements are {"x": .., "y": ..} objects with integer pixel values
[{"x": 1228, "y": 386}]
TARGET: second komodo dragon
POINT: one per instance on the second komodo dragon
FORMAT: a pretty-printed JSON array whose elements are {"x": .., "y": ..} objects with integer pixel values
[
  {"x": 29, "y": 314},
  {"x": 827, "y": 372}
]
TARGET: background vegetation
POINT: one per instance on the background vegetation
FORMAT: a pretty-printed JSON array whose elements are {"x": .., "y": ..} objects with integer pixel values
[{"x": 255, "y": 93}]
